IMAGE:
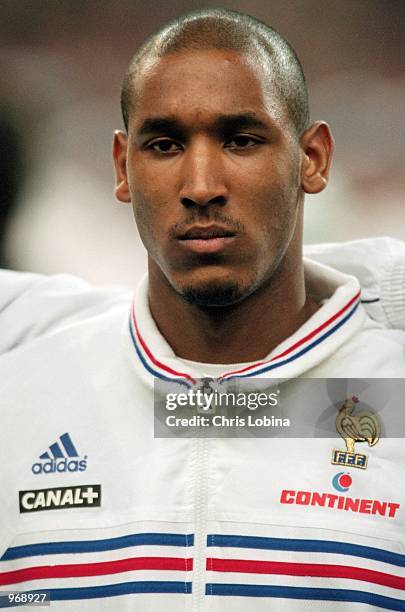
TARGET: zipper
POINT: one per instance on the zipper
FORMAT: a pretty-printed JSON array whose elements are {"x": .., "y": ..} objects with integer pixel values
[{"x": 200, "y": 522}]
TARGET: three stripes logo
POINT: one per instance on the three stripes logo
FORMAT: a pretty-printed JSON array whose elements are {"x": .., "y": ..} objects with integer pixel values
[{"x": 61, "y": 457}]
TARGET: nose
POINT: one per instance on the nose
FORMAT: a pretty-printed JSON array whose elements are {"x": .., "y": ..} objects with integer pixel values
[{"x": 203, "y": 180}]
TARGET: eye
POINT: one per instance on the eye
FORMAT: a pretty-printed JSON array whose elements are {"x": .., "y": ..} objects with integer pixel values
[
  {"x": 242, "y": 141},
  {"x": 163, "y": 146}
]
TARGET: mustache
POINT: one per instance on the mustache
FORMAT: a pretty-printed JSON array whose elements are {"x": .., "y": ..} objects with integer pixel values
[{"x": 233, "y": 225}]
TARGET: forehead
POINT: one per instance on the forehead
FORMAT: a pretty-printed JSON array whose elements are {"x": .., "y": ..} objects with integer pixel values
[{"x": 202, "y": 84}]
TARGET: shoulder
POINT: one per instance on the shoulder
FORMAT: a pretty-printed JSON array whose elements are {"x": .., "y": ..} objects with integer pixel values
[
  {"x": 379, "y": 265},
  {"x": 373, "y": 352},
  {"x": 32, "y": 304}
]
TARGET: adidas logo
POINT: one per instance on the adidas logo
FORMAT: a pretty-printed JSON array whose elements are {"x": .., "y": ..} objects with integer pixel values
[{"x": 61, "y": 457}]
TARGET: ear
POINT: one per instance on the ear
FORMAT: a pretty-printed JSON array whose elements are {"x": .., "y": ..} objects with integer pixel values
[
  {"x": 317, "y": 146},
  {"x": 120, "y": 162}
]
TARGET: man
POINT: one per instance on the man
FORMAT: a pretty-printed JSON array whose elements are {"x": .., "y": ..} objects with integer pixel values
[{"x": 216, "y": 160}]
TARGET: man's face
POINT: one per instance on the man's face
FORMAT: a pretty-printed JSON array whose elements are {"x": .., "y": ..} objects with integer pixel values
[{"x": 213, "y": 172}]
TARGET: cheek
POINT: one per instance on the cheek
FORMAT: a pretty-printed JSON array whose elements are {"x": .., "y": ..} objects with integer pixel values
[
  {"x": 145, "y": 199},
  {"x": 280, "y": 194},
  {"x": 152, "y": 211},
  {"x": 272, "y": 220},
  {"x": 151, "y": 189},
  {"x": 272, "y": 210},
  {"x": 145, "y": 217}
]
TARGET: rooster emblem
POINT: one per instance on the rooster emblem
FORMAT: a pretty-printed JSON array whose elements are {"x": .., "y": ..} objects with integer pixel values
[{"x": 360, "y": 427}]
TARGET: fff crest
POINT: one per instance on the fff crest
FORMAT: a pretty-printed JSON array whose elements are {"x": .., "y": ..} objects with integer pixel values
[{"x": 363, "y": 426}]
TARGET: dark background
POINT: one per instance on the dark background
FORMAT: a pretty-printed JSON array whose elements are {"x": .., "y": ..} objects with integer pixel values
[{"x": 61, "y": 65}]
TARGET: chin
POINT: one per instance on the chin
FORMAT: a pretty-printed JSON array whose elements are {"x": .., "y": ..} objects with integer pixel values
[{"x": 214, "y": 294}]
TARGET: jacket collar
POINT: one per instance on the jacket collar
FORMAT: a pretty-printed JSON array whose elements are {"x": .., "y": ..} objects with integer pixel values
[{"x": 338, "y": 318}]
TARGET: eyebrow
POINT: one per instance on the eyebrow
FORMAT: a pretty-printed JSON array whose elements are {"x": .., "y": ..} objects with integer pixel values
[
  {"x": 239, "y": 121},
  {"x": 152, "y": 125},
  {"x": 223, "y": 123}
]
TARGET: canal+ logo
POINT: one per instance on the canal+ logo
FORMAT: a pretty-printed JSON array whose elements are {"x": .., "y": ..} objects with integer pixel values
[{"x": 61, "y": 457}]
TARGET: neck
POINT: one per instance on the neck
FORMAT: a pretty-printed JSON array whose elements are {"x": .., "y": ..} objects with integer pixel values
[{"x": 247, "y": 331}]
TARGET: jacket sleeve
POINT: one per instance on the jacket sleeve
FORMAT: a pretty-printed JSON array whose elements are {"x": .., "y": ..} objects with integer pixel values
[
  {"x": 379, "y": 264},
  {"x": 32, "y": 304}
]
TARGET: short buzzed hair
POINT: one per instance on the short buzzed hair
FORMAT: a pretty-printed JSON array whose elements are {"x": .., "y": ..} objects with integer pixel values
[{"x": 225, "y": 29}]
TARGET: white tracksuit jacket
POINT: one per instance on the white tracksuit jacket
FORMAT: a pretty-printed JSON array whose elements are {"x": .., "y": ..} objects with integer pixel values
[{"x": 103, "y": 516}]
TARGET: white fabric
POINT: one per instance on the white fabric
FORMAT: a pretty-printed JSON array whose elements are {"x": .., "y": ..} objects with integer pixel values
[
  {"x": 71, "y": 365},
  {"x": 379, "y": 264}
]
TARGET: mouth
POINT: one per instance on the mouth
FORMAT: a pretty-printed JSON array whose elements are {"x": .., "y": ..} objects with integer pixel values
[{"x": 206, "y": 238}]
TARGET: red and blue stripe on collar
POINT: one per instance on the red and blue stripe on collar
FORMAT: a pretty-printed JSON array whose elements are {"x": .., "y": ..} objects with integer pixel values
[{"x": 307, "y": 343}]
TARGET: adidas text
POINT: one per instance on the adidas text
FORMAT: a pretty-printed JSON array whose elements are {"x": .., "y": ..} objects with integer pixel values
[{"x": 60, "y": 465}]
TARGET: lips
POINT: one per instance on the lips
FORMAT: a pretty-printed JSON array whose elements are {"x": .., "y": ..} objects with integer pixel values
[
  {"x": 209, "y": 232},
  {"x": 206, "y": 239}
]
